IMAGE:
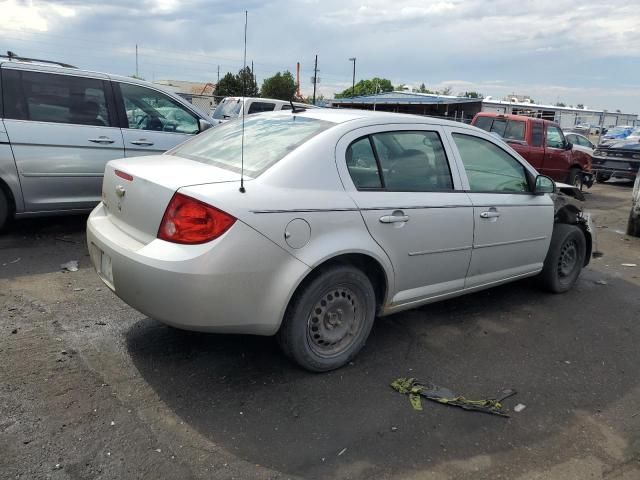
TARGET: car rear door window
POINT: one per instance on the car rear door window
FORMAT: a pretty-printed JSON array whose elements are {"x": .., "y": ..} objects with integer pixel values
[
  {"x": 537, "y": 134},
  {"x": 413, "y": 161},
  {"x": 489, "y": 168},
  {"x": 147, "y": 109},
  {"x": 258, "y": 107},
  {"x": 362, "y": 165},
  {"x": 46, "y": 97}
]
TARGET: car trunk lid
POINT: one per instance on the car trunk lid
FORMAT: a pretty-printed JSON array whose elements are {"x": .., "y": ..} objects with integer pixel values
[{"x": 137, "y": 191}]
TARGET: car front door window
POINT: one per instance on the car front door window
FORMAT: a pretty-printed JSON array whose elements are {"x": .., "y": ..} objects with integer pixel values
[
  {"x": 555, "y": 138},
  {"x": 147, "y": 109},
  {"x": 489, "y": 168}
]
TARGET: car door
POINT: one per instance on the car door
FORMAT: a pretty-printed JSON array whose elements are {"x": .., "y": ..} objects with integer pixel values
[
  {"x": 512, "y": 225},
  {"x": 62, "y": 129},
  {"x": 412, "y": 204},
  {"x": 557, "y": 158},
  {"x": 152, "y": 122}
]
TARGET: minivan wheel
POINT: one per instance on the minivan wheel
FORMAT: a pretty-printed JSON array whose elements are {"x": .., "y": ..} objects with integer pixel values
[
  {"x": 4, "y": 210},
  {"x": 564, "y": 260},
  {"x": 329, "y": 319}
]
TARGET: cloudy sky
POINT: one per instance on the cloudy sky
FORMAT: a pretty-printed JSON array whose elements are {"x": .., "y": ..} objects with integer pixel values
[{"x": 584, "y": 51}]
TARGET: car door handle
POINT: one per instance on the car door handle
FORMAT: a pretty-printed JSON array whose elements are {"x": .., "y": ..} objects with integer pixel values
[
  {"x": 394, "y": 219},
  {"x": 142, "y": 142},
  {"x": 101, "y": 140},
  {"x": 490, "y": 214}
]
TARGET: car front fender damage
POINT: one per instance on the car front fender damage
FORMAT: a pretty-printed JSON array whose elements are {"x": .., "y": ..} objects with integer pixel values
[{"x": 568, "y": 206}]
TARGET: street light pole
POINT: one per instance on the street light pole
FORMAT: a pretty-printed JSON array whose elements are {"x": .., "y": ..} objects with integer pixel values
[{"x": 353, "y": 82}]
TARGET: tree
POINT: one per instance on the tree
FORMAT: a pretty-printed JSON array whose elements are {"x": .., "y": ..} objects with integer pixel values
[
  {"x": 561, "y": 104},
  {"x": 446, "y": 91},
  {"x": 423, "y": 89},
  {"x": 472, "y": 95},
  {"x": 281, "y": 86},
  {"x": 580, "y": 106},
  {"x": 367, "y": 87},
  {"x": 232, "y": 85}
]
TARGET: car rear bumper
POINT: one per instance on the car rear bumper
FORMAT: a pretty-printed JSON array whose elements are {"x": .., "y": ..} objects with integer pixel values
[{"x": 238, "y": 283}]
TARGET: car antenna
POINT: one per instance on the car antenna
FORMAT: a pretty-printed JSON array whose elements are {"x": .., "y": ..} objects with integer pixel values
[
  {"x": 244, "y": 103},
  {"x": 293, "y": 108}
]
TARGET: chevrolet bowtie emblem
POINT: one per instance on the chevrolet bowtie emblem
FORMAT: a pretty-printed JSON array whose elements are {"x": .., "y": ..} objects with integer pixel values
[{"x": 120, "y": 191}]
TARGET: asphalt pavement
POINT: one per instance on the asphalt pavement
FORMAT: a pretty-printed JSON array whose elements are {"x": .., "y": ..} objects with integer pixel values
[{"x": 90, "y": 388}]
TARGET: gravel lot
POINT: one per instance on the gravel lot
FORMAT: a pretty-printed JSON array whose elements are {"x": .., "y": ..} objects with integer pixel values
[{"x": 90, "y": 388}]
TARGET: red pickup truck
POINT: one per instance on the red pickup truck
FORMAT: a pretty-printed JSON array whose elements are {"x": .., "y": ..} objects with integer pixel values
[{"x": 542, "y": 144}]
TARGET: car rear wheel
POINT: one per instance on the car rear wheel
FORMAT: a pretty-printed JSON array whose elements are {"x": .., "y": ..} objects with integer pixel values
[
  {"x": 564, "y": 260},
  {"x": 329, "y": 319},
  {"x": 4, "y": 210},
  {"x": 602, "y": 177},
  {"x": 575, "y": 178}
]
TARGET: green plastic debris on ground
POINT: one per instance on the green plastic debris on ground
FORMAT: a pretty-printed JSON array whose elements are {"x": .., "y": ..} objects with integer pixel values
[{"x": 416, "y": 390}]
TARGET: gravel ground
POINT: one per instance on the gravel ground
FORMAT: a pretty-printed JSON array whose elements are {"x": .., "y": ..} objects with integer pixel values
[{"x": 90, "y": 388}]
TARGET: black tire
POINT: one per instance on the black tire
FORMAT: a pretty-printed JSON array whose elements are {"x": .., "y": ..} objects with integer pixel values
[
  {"x": 4, "y": 210},
  {"x": 328, "y": 319},
  {"x": 564, "y": 260},
  {"x": 602, "y": 177},
  {"x": 575, "y": 177}
]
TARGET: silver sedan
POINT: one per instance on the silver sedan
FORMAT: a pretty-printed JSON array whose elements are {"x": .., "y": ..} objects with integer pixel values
[{"x": 343, "y": 216}]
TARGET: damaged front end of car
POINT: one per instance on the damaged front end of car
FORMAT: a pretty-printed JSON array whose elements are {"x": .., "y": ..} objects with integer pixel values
[{"x": 569, "y": 209}]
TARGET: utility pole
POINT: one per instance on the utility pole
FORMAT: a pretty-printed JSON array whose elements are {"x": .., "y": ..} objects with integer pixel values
[
  {"x": 136, "y": 60},
  {"x": 315, "y": 79},
  {"x": 353, "y": 82},
  {"x": 218, "y": 74}
]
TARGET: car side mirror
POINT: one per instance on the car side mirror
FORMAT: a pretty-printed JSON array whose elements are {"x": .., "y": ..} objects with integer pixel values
[
  {"x": 544, "y": 185},
  {"x": 203, "y": 124},
  {"x": 568, "y": 146}
]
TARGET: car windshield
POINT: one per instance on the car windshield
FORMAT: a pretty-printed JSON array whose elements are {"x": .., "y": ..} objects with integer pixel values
[
  {"x": 267, "y": 139},
  {"x": 617, "y": 130},
  {"x": 228, "y": 108}
]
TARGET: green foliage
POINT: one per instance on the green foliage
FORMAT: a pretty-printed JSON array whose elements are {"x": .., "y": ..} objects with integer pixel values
[
  {"x": 472, "y": 95},
  {"x": 423, "y": 89},
  {"x": 561, "y": 104},
  {"x": 232, "y": 85},
  {"x": 445, "y": 91},
  {"x": 367, "y": 87},
  {"x": 580, "y": 106},
  {"x": 281, "y": 86}
]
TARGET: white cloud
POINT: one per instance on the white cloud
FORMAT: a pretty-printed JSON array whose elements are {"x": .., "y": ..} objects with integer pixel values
[{"x": 25, "y": 16}]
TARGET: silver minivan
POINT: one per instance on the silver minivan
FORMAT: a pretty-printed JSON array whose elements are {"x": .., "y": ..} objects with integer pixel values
[{"x": 59, "y": 126}]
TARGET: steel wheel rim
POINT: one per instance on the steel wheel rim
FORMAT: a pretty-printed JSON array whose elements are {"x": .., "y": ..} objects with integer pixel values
[
  {"x": 568, "y": 258},
  {"x": 335, "y": 322}
]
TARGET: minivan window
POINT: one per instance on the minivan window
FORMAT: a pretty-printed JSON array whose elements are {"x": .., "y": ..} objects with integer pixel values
[
  {"x": 227, "y": 108},
  {"x": 148, "y": 109},
  {"x": 257, "y": 107},
  {"x": 266, "y": 141},
  {"x": 46, "y": 97}
]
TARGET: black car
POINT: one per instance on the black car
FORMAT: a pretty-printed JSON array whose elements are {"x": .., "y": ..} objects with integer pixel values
[{"x": 619, "y": 160}]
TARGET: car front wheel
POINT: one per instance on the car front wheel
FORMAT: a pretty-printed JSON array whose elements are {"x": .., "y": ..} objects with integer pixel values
[
  {"x": 564, "y": 260},
  {"x": 328, "y": 319}
]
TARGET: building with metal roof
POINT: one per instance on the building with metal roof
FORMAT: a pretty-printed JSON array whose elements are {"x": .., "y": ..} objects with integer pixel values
[{"x": 445, "y": 106}]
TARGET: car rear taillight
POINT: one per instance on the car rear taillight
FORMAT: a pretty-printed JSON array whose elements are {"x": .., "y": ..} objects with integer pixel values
[{"x": 190, "y": 221}]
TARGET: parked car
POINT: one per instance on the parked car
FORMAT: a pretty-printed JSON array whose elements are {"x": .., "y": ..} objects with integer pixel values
[
  {"x": 581, "y": 143},
  {"x": 59, "y": 126},
  {"x": 542, "y": 144},
  {"x": 617, "y": 160},
  {"x": 616, "y": 134},
  {"x": 347, "y": 214},
  {"x": 634, "y": 135},
  {"x": 231, "y": 107}
]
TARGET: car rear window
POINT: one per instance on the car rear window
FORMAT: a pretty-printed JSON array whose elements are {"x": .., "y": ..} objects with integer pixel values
[
  {"x": 484, "y": 123},
  {"x": 266, "y": 141},
  {"x": 514, "y": 130}
]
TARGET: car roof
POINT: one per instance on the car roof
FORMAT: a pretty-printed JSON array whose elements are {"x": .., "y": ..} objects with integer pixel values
[
  {"x": 343, "y": 115},
  {"x": 511, "y": 116}
]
